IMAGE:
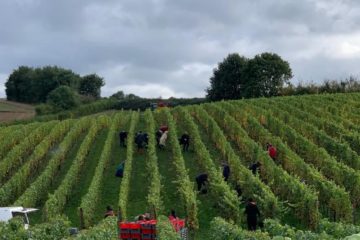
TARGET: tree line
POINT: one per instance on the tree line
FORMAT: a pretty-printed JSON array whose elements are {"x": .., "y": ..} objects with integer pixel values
[
  {"x": 266, "y": 75},
  {"x": 58, "y": 87}
]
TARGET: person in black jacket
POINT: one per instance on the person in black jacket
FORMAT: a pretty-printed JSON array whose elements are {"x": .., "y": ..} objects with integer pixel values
[
  {"x": 123, "y": 137},
  {"x": 201, "y": 180},
  {"x": 252, "y": 212},
  {"x": 185, "y": 141},
  {"x": 226, "y": 171},
  {"x": 254, "y": 167}
]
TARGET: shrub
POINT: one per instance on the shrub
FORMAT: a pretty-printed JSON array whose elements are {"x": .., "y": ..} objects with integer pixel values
[{"x": 63, "y": 98}]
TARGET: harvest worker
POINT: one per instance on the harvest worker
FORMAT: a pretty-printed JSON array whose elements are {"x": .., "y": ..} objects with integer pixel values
[
  {"x": 226, "y": 171},
  {"x": 109, "y": 212},
  {"x": 185, "y": 141},
  {"x": 140, "y": 141},
  {"x": 158, "y": 136},
  {"x": 271, "y": 150},
  {"x": 164, "y": 128},
  {"x": 254, "y": 167},
  {"x": 201, "y": 180},
  {"x": 252, "y": 212},
  {"x": 163, "y": 139},
  {"x": 172, "y": 215},
  {"x": 120, "y": 170},
  {"x": 123, "y": 137}
]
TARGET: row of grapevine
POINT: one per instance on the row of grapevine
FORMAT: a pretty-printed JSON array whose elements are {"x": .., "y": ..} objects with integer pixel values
[
  {"x": 273, "y": 230},
  {"x": 4, "y": 131},
  {"x": 344, "y": 107},
  {"x": 225, "y": 197},
  {"x": 304, "y": 199},
  {"x": 36, "y": 191},
  {"x": 308, "y": 106},
  {"x": 333, "y": 129},
  {"x": 154, "y": 198},
  {"x": 331, "y": 196},
  {"x": 341, "y": 151},
  {"x": 16, "y": 185},
  {"x": 56, "y": 201},
  {"x": 9, "y": 140},
  {"x": 91, "y": 199},
  {"x": 18, "y": 155},
  {"x": 125, "y": 182},
  {"x": 250, "y": 185},
  {"x": 186, "y": 186},
  {"x": 328, "y": 166}
]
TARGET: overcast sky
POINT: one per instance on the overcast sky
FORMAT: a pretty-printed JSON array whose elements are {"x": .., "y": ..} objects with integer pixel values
[{"x": 169, "y": 48}]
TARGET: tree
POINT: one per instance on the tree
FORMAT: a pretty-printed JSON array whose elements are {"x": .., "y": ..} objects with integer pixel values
[
  {"x": 90, "y": 85},
  {"x": 228, "y": 78},
  {"x": 119, "y": 95},
  {"x": 266, "y": 75},
  {"x": 238, "y": 77},
  {"x": 19, "y": 84},
  {"x": 31, "y": 85},
  {"x": 132, "y": 96},
  {"x": 63, "y": 98}
]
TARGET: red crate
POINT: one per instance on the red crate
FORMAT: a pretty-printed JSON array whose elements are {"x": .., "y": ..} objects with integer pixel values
[
  {"x": 148, "y": 236},
  {"x": 125, "y": 235},
  {"x": 147, "y": 231},
  {"x": 136, "y": 236}
]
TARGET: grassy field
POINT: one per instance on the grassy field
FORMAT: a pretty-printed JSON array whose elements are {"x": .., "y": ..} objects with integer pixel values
[{"x": 10, "y": 111}]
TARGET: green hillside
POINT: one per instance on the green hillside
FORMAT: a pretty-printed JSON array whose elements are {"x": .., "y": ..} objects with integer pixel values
[{"x": 310, "y": 191}]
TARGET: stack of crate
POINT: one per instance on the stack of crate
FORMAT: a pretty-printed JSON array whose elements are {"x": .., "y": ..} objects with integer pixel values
[{"x": 146, "y": 230}]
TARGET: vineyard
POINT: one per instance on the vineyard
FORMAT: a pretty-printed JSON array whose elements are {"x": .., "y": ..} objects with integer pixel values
[{"x": 311, "y": 190}]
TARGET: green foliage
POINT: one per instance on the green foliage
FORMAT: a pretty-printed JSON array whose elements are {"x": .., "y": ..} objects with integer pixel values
[
  {"x": 266, "y": 74},
  {"x": 36, "y": 191},
  {"x": 31, "y": 85},
  {"x": 165, "y": 231},
  {"x": 338, "y": 230},
  {"x": 250, "y": 185},
  {"x": 119, "y": 95},
  {"x": 153, "y": 198},
  {"x": 17, "y": 155},
  {"x": 91, "y": 200},
  {"x": 43, "y": 109},
  {"x": 285, "y": 186},
  {"x": 274, "y": 228},
  {"x": 56, "y": 201},
  {"x": 125, "y": 183},
  {"x": 90, "y": 85},
  {"x": 300, "y": 142},
  {"x": 330, "y": 195},
  {"x": 62, "y": 98},
  {"x": 13, "y": 230},
  {"x": 238, "y": 77},
  {"x": 226, "y": 198},
  {"x": 187, "y": 187},
  {"x": 56, "y": 229},
  {"x": 105, "y": 230},
  {"x": 222, "y": 230},
  {"x": 228, "y": 80},
  {"x": 12, "y": 136},
  {"x": 21, "y": 179}
]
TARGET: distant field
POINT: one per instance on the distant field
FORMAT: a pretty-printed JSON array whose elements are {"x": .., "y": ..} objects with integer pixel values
[{"x": 10, "y": 111}]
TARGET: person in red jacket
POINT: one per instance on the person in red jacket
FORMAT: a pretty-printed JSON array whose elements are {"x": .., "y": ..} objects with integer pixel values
[{"x": 271, "y": 150}]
